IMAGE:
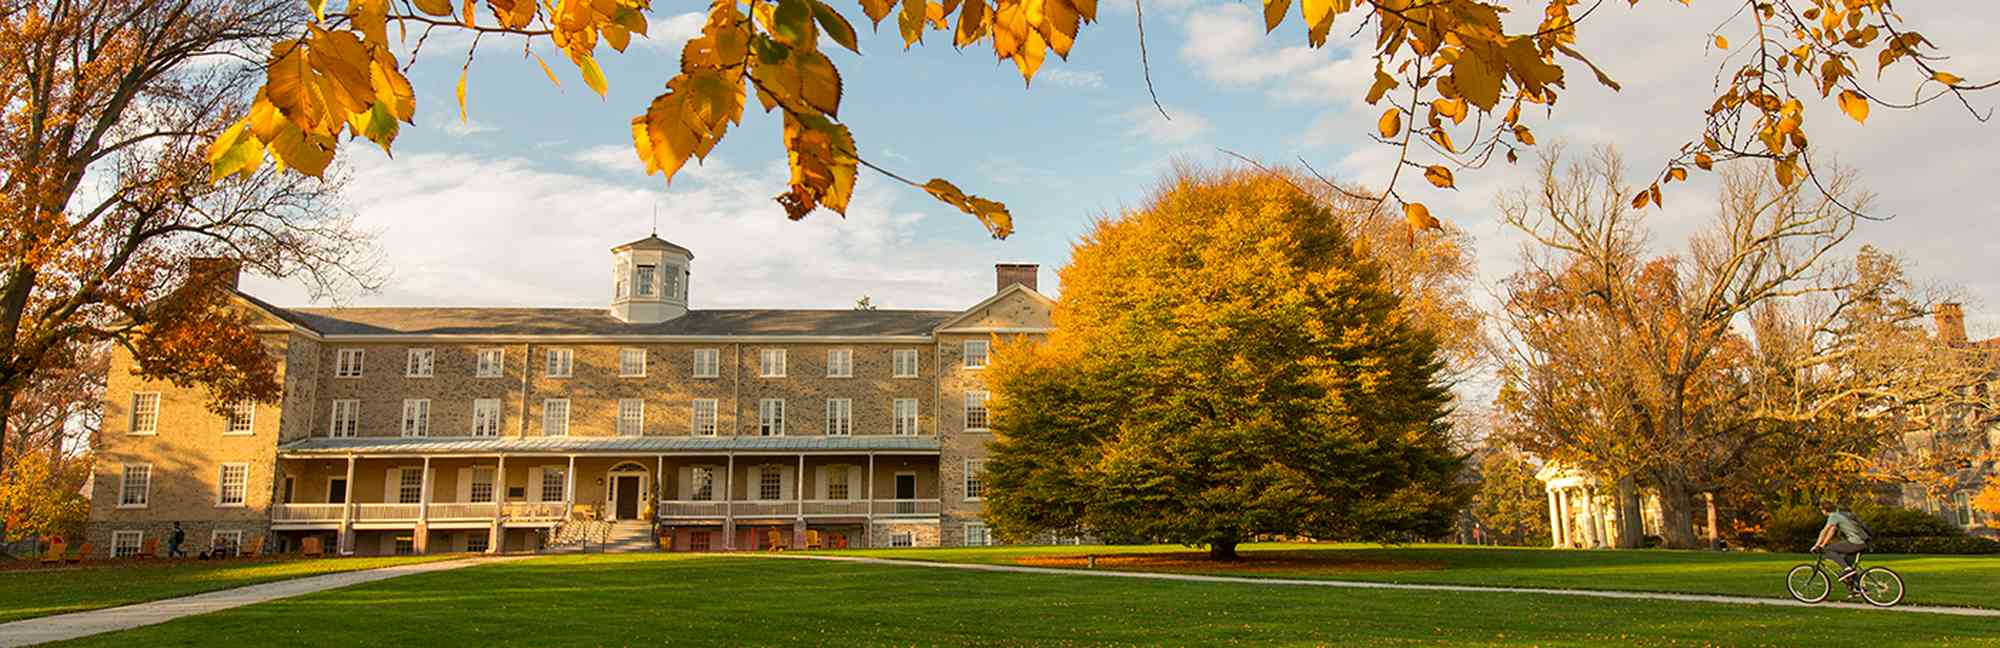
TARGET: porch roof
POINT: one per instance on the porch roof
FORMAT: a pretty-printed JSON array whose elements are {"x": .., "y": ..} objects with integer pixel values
[{"x": 322, "y": 446}]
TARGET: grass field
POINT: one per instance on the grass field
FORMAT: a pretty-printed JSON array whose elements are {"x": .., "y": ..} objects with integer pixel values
[
  {"x": 27, "y": 594},
  {"x": 627, "y": 599},
  {"x": 1972, "y": 581}
]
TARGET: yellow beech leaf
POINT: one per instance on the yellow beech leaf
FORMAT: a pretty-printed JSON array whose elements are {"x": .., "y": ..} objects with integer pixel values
[
  {"x": 461, "y": 94},
  {"x": 1639, "y": 201},
  {"x": 1383, "y": 84},
  {"x": 1419, "y": 217},
  {"x": 319, "y": 9},
  {"x": 990, "y": 213},
  {"x": 593, "y": 76},
  {"x": 546, "y": 70},
  {"x": 1442, "y": 139},
  {"x": 835, "y": 26},
  {"x": 1704, "y": 161},
  {"x": 1391, "y": 123},
  {"x": 1677, "y": 173},
  {"x": 1721, "y": 43},
  {"x": 1438, "y": 175},
  {"x": 237, "y": 151},
  {"x": 1854, "y": 105},
  {"x": 1274, "y": 13},
  {"x": 434, "y": 7},
  {"x": 911, "y": 21},
  {"x": 1947, "y": 78},
  {"x": 1526, "y": 136},
  {"x": 877, "y": 9},
  {"x": 1786, "y": 171}
]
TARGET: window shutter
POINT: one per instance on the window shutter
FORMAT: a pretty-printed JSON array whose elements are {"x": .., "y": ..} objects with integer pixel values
[
  {"x": 686, "y": 490},
  {"x": 392, "y": 486},
  {"x": 854, "y": 487},
  {"x": 819, "y": 482},
  {"x": 464, "y": 485},
  {"x": 786, "y": 483},
  {"x": 535, "y": 483}
]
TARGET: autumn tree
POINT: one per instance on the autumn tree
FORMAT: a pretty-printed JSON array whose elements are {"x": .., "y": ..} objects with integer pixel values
[
  {"x": 1228, "y": 361},
  {"x": 106, "y": 195},
  {"x": 1509, "y": 502},
  {"x": 41, "y": 495}
]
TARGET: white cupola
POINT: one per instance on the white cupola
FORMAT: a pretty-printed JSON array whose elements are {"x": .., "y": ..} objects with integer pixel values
[{"x": 650, "y": 280}]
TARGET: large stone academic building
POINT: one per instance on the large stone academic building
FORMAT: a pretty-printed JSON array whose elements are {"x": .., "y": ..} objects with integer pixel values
[{"x": 480, "y": 429}]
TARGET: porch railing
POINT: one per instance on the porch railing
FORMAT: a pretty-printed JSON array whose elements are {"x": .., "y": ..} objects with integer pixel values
[
  {"x": 693, "y": 509},
  {"x": 765, "y": 508},
  {"x": 792, "y": 508},
  {"x": 462, "y": 511},
  {"x": 381, "y": 512},
  {"x": 528, "y": 511},
  {"x": 307, "y": 512},
  {"x": 909, "y": 507},
  {"x": 836, "y": 507}
]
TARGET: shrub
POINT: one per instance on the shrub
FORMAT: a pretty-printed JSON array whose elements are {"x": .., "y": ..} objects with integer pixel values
[
  {"x": 1794, "y": 528},
  {"x": 1899, "y": 522},
  {"x": 1961, "y": 544}
]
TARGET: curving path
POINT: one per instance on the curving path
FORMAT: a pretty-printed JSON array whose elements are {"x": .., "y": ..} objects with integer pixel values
[
  {"x": 1198, "y": 578},
  {"x": 62, "y": 627}
]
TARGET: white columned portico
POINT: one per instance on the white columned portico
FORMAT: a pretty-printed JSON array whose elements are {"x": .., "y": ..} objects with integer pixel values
[
  {"x": 569, "y": 488},
  {"x": 1590, "y": 517},
  {"x": 1555, "y": 519},
  {"x": 422, "y": 536},
  {"x": 728, "y": 509},
  {"x": 498, "y": 536},
  {"x": 346, "y": 540},
  {"x": 1565, "y": 514}
]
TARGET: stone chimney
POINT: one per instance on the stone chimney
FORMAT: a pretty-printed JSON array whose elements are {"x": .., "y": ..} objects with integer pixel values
[
  {"x": 226, "y": 273},
  {"x": 1008, "y": 274},
  {"x": 1950, "y": 318}
]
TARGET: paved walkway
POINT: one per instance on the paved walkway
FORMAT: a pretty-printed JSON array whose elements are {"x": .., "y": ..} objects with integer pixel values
[
  {"x": 83, "y": 624},
  {"x": 1645, "y": 596}
]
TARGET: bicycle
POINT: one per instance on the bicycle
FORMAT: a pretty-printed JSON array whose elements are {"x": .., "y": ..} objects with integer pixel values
[{"x": 1811, "y": 583}]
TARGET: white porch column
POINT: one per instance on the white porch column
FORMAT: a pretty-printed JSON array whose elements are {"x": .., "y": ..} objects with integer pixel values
[
  {"x": 498, "y": 536},
  {"x": 1555, "y": 519},
  {"x": 569, "y": 488},
  {"x": 1564, "y": 514},
  {"x": 346, "y": 540},
  {"x": 799, "y": 496},
  {"x": 1591, "y": 519},
  {"x": 422, "y": 534},
  {"x": 868, "y": 487},
  {"x": 729, "y": 509}
]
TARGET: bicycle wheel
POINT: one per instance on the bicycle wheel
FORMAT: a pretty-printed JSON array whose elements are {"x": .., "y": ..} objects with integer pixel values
[
  {"x": 1881, "y": 587},
  {"x": 1808, "y": 583}
]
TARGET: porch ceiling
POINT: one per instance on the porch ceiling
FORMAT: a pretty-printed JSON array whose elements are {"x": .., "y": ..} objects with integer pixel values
[{"x": 320, "y": 446}]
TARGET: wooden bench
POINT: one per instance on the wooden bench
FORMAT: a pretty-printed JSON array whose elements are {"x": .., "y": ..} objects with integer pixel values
[
  {"x": 253, "y": 547},
  {"x": 54, "y": 554},
  {"x": 148, "y": 549},
  {"x": 310, "y": 547},
  {"x": 81, "y": 553}
]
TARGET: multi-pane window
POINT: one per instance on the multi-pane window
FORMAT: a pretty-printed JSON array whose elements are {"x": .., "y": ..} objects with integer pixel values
[
  {"x": 977, "y": 535},
  {"x": 642, "y": 281},
  {"x": 486, "y": 417},
  {"x": 416, "y": 417},
  {"x": 840, "y": 363},
  {"x": 229, "y": 542},
  {"x": 481, "y": 491},
  {"x": 836, "y": 483},
  {"x": 126, "y": 543},
  {"x": 232, "y": 484},
  {"x": 673, "y": 277},
  {"x": 975, "y": 479},
  {"x": 770, "y": 484},
  {"x": 631, "y": 363},
  {"x": 135, "y": 484},
  {"x": 906, "y": 363},
  {"x": 559, "y": 363},
  {"x": 975, "y": 354},
  {"x": 975, "y": 410},
  {"x": 406, "y": 546},
  {"x": 698, "y": 541},
  {"x": 242, "y": 418},
  {"x": 631, "y": 417},
  {"x": 839, "y": 416},
  {"x": 904, "y": 539},
  {"x": 420, "y": 364},
  {"x": 906, "y": 416},
  {"x": 704, "y": 484},
  {"x": 706, "y": 361},
  {"x": 704, "y": 417},
  {"x": 771, "y": 363},
  {"x": 346, "y": 418},
  {"x": 348, "y": 363},
  {"x": 146, "y": 413},
  {"x": 554, "y": 483},
  {"x": 555, "y": 417},
  {"x": 409, "y": 486},
  {"x": 490, "y": 363},
  {"x": 771, "y": 417},
  {"x": 1961, "y": 507},
  {"x": 477, "y": 542}
]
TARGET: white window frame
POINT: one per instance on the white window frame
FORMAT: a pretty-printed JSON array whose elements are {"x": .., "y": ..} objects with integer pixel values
[
  {"x": 222, "y": 486},
  {"x": 403, "y": 486},
  {"x": 559, "y": 363},
  {"x": 773, "y": 478},
  {"x": 771, "y": 417},
  {"x": 985, "y": 414},
  {"x": 902, "y": 539},
  {"x": 707, "y": 363},
  {"x": 643, "y": 276},
  {"x": 910, "y": 425},
  {"x": 420, "y": 363},
  {"x": 985, "y": 534},
  {"x": 125, "y": 472},
  {"x": 839, "y": 417},
  {"x": 353, "y": 419},
  {"x": 624, "y": 369},
  {"x": 670, "y": 277},
  {"x": 700, "y": 425},
  {"x": 472, "y": 485},
  {"x": 1961, "y": 508},
  {"x": 418, "y": 425},
  {"x": 840, "y": 363},
  {"x": 349, "y": 363},
  {"x": 145, "y": 419},
  {"x": 771, "y": 363},
  {"x": 897, "y": 357},
  {"x": 235, "y": 539},
  {"x": 836, "y": 476},
  {"x": 975, "y": 474},
  {"x": 486, "y": 414},
  {"x": 631, "y": 417},
  {"x": 246, "y": 412},
  {"x": 484, "y": 542},
  {"x": 985, "y": 350},
  {"x": 561, "y": 483},
  {"x": 121, "y": 549},
  {"x": 492, "y": 363},
  {"x": 555, "y": 430},
  {"x": 703, "y": 488}
]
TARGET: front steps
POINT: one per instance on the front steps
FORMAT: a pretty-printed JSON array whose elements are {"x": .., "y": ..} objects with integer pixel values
[{"x": 594, "y": 536}]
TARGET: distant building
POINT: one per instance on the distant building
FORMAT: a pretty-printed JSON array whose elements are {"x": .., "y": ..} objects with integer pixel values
[
  {"x": 1971, "y": 434},
  {"x": 412, "y": 430}
]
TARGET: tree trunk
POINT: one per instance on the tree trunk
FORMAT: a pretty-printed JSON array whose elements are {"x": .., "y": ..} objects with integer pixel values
[
  {"x": 1222, "y": 550},
  {"x": 1676, "y": 514},
  {"x": 6, "y": 412},
  {"x": 1631, "y": 515}
]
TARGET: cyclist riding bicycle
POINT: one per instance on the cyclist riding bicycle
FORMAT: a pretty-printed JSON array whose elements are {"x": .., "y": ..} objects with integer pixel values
[{"x": 1853, "y": 539}]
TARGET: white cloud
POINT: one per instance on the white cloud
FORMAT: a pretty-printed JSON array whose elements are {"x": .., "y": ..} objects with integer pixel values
[
  {"x": 1069, "y": 78},
  {"x": 1146, "y": 122},
  {"x": 467, "y": 126},
  {"x": 1227, "y": 44},
  {"x": 672, "y": 32},
  {"x": 610, "y": 157}
]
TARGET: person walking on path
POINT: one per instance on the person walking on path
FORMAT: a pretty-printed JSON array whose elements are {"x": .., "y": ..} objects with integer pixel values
[{"x": 174, "y": 541}]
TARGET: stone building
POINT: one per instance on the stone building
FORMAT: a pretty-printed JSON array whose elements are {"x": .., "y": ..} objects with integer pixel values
[
  {"x": 407, "y": 430},
  {"x": 1969, "y": 435}
]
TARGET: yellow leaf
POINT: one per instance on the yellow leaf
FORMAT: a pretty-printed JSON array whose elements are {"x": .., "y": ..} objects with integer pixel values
[
  {"x": 877, "y": 9},
  {"x": 371, "y": 16},
  {"x": 1391, "y": 122},
  {"x": 1721, "y": 43},
  {"x": 1383, "y": 84},
  {"x": 1274, "y": 13},
  {"x": 1639, "y": 201},
  {"x": 1677, "y": 173},
  {"x": 910, "y": 22},
  {"x": 1704, "y": 161},
  {"x": 1526, "y": 136},
  {"x": 434, "y": 7},
  {"x": 1442, "y": 139},
  {"x": 1947, "y": 78},
  {"x": 461, "y": 94},
  {"x": 1785, "y": 170},
  {"x": 990, "y": 213},
  {"x": 391, "y": 87},
  {"x": 1417, "y": 216},
  {"x": 237, "y": 151},
  {"x": 1439, "y": 175},
  {"x": 819, "y": 82},
  {"x": 1854, "y": 105},
  {"x": 792, "y": 23},
  {"x": 971, "y": 22},
  {"x": 593, "y": 76},
  {"x": 1029, "y": 57},
  {"x": 319, "y": 9},
  {"x": 545, "y": 69},
  {"x": 835, "y": 26},
  {"x": 288, "y": 85}
]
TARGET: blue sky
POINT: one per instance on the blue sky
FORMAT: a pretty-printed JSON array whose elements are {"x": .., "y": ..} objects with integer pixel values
[{"x": 519, "y": 206}]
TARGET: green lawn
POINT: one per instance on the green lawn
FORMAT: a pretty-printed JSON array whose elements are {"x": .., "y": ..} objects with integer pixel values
[
  {"x": 26, "y": 594},
  {"x": 1934, "y": 580},
  {"x": 630, "y": 599}
]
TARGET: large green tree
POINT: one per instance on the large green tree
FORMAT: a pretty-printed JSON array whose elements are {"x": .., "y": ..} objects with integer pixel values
[{"x": 1227, "y": 363}]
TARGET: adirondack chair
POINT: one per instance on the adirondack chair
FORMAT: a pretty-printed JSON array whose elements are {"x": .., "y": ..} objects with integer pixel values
[
  {"x": 310, "y": 547},
  {"x": 149, "y": 549},
  {"x": 252, "y": 547},
  {"x": 55, "y": 553},
  {"x": 775, "y": 540},
  {"x": 812, "y": 539},
  {"x": 666, "y": 542},
  {"x": 840, "y": 541},
  {"x": 81, "y": 553}
]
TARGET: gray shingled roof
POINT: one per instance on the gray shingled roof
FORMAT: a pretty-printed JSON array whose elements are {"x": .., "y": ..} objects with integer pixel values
[
  {"x": 600, "y": 445},
  {"x": 598, "y": 321},
  {"x": 654, "y": 241}
]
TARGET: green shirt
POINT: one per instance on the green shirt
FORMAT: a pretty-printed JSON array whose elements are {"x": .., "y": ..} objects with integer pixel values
[{"x": 1849, "y": 529}]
